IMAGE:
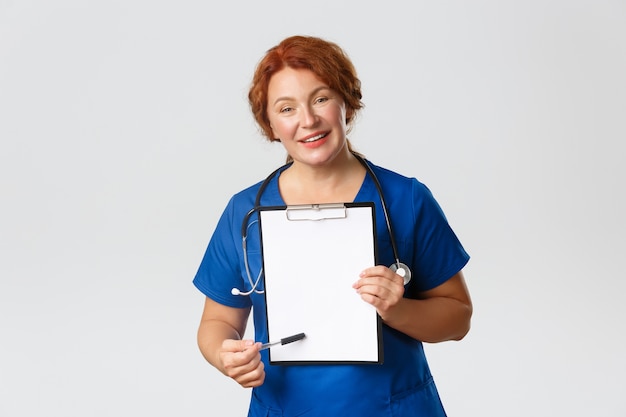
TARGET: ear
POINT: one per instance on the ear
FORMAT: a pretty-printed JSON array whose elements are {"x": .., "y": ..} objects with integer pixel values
[
  {"x": 273, "y": 136},
  {"x": 349, "y": 114}
]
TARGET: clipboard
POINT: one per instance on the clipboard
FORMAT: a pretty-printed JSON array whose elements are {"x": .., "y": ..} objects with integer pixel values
[{"x": 312, "y": 254}]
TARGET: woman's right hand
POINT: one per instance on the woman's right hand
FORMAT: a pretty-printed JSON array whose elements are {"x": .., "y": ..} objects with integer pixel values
[{"x": 241, "y": 361}]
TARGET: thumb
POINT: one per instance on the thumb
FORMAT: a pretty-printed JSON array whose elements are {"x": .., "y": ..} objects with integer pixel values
[{"x": 237, "y": 345}]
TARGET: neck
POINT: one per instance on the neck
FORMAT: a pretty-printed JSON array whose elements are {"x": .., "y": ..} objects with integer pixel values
[{"x": 339, "y": 181}]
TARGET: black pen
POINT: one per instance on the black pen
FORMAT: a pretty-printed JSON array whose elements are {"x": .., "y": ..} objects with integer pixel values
[{"x": 284, "y": 341}]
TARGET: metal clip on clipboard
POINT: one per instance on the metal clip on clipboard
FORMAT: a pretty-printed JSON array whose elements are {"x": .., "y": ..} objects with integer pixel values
[{"x": 316, "y": 212}]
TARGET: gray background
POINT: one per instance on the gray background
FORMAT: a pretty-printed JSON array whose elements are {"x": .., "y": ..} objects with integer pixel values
[{"x": 124, "y": 130}]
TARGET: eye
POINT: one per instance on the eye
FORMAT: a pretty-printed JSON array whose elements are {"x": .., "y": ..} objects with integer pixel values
[
  {"x": 286, "y": 109},
  {"x": 321, "y": 100}
]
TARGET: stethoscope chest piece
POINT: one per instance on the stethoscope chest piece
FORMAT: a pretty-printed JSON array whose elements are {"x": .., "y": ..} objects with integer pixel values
[{"x": 402, "y": 270}]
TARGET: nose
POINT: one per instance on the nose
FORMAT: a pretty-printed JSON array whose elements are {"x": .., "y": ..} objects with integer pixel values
[{"x": 308, "y": 117}]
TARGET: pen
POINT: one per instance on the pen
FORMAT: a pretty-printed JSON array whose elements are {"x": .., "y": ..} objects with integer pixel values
[{"x": 284, "y": 341}]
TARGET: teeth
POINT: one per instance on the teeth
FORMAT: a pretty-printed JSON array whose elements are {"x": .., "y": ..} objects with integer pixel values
[{"x": 313, "y": 139}]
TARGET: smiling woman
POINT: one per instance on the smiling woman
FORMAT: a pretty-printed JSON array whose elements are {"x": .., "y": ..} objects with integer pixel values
[
  {"x": 307, "y": 116},
  {"x": 305, "y": 94},
  {"x": 302, "y": 52}
]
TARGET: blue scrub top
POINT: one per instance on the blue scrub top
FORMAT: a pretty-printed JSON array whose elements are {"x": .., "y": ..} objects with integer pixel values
[{"x": 402, "y": 385}]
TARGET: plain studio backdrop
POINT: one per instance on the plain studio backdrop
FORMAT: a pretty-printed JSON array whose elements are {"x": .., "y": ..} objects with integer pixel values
[{"x": 125, "y": 129}]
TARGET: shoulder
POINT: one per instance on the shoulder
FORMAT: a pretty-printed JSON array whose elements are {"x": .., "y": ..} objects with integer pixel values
[
  {"x": 248, "y": 193},
  {"x": 406, "y": 195},
  {"x": 237, "y": 207},
  {"x": 393, "y": 182},
  {"x": 266, "y": 191},
  {"x": 382, "y": 172}
]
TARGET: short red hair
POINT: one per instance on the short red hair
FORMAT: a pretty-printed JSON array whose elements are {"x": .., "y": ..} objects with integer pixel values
[{"x": 325, "y": 59}]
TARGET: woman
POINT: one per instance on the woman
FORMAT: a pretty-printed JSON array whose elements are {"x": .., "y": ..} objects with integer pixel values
[{"x": 305, "y": 94}]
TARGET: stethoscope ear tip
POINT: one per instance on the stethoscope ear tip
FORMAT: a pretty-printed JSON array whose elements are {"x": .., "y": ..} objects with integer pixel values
[{"x": 235, "y": 291}]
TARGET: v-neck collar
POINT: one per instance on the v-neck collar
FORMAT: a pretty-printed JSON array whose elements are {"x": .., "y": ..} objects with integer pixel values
[{"x": 365, "y": 192}]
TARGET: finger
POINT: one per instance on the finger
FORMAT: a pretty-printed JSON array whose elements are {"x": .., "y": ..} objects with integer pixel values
[
  {"x": 240, "y": 363},
  {"x": 380, "y": 293},
  {"x": 378, "y": 270},
  {"x": 231, "y": 345},
  {"x": 253, "y": 378},
  {"x": 250, "y": 374},
  {"x": 375, "y": 290},
  {"x": 382, "y": 301},
  {"x": 395, "y": 285},
  {"x": 383, "y": 272},
  {"x": 241, "y": 357}
]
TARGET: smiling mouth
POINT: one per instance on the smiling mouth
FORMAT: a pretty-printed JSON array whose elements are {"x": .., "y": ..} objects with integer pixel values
[{"x": 315, "y": 138}]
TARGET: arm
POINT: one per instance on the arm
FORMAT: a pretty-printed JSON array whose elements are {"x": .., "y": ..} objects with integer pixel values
[
  {"x": 219, "y": 340},
  {"x": 440, "y": 314}
]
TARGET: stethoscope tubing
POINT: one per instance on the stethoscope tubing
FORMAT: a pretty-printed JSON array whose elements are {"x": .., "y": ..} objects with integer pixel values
[{"x": 397, "y": 267}]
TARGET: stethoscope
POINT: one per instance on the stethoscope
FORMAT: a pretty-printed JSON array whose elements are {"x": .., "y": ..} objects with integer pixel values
[{"x": 397, "y": 267}]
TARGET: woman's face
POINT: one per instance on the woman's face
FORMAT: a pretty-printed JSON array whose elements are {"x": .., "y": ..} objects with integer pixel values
[{"x": 307, "y": 116}]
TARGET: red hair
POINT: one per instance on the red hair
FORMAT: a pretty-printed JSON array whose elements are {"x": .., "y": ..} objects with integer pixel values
[{"x": 325, "y": 59}]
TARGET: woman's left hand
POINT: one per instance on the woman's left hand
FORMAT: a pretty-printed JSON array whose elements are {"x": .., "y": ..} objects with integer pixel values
[{"x": 380, "y": 287}]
